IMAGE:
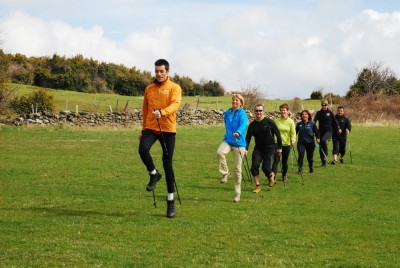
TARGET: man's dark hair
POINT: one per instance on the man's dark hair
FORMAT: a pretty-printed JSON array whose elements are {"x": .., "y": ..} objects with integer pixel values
[
  {"x": 259, "y": 105},
  {"x": 340, "y": 107},
  {"x": 162, "y": 62}
]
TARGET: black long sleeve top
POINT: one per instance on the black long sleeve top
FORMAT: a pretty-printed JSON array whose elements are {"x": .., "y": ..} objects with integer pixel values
[{"x": 264, "y": 133}]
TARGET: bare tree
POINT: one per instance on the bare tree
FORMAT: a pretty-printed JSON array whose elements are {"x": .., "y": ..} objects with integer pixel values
[
  {"x": 374, "y": 79},
  {"x": 252, "y": 94}
]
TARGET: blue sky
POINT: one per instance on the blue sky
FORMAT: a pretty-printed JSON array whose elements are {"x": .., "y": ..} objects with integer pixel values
[{"x": 286, "y": 48}]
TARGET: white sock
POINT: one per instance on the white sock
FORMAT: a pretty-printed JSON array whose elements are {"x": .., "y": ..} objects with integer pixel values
[
  {"x": 153, "y": 172},
  {"x": 170, "y": 196}
]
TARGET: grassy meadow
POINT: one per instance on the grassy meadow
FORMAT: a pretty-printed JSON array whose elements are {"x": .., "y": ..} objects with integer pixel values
[
  {"x": 67, "y": 100},
  {"x": 76, "y": 197}
]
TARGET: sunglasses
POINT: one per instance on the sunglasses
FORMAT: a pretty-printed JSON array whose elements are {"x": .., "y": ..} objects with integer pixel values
[
  {"x": 324, "y": 105},
  {"x": 258, "y": 111}
]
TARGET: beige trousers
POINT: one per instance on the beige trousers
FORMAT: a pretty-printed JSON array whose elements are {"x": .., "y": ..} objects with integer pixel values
[{"x": 238, "y": 153}]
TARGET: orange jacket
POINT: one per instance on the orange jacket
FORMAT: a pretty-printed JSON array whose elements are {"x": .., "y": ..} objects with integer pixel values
[{"x": 165, "y": 97}]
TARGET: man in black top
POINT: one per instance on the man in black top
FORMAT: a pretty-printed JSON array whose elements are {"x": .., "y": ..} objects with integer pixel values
[
  {"x": 326, "y": 124},
  {"x": 339, "y": 136},
  {"x": 263, "y": 129}
]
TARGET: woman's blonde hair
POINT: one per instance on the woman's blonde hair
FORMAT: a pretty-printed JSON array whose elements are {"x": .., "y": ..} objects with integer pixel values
[{"x": 240, "y": 97}]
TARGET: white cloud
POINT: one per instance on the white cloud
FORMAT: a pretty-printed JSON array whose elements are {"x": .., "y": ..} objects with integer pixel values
[
  {"x": 204, "y": 63},
  {"x": 387, "y": 24},
  {"x": 372, "y": 37},
  {"x": 144, "y": 45},
  {"x": 35, "y": 37},
  {"x": 287, "y": 52},
  {"x": 312, "y": 41}
]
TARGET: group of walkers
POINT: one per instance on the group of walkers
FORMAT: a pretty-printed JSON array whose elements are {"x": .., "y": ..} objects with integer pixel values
[{"x": 274, "y": 139}]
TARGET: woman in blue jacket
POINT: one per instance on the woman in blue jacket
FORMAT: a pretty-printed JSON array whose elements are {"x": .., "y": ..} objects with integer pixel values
[
  {"x": 236, "y": 120},
  {"x": 307, "y": 131}
]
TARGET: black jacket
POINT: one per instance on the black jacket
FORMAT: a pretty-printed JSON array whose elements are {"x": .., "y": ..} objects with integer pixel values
[
  {"x": 326, "y": 119},
  {"x": 263, "y": 132},
  {"x": 343, "y": 123}
]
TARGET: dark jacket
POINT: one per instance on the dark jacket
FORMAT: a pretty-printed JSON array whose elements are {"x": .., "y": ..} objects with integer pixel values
[
  {"x": 326, "y": 119},
  {"x": 263, "y": 132},
  {"x": 343, "y": 123},
  {"x": 307, "y": 131}
]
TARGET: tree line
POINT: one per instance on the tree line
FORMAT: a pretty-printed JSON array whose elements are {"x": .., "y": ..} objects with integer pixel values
[
  {"x": 91, "y": 76},
  {"x": 88, "y": 75}
]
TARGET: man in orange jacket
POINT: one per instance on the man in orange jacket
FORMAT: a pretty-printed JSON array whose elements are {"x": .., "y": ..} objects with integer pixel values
[{"x": 160, "y": 104}]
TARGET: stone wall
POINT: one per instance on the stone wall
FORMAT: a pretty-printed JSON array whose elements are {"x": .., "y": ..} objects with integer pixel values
[{"x": 118, "y": 119}]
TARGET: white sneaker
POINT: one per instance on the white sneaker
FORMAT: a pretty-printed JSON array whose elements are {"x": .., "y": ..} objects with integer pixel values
[
  {"x": 225, "y": 178},
  {"x": 236, "y": 198}
]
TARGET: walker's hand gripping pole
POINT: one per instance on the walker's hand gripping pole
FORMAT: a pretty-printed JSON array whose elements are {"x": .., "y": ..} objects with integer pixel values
[{"x": 301, "y": 171}]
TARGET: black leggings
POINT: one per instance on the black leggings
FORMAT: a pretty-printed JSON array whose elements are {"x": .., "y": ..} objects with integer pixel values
[
  {"x": 285, "y": 157},
  {"x": 147, "y": 141},
  {"x": 302, "y": 148}
]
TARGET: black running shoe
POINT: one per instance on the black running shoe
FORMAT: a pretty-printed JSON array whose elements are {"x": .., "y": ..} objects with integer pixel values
[
  {"x": 341, "y": 160},
  {"x": 300, "y": 170},
  {"x": 153, "y": 181},
  {"x": 170, "y": 209},
  {"x": 311, "y": 169}
]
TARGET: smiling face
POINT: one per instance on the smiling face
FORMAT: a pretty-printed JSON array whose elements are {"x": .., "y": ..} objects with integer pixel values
[
  {"x": 236, "y": 104},
  {"x": 161, "y": 73},
  {"x": 284, "y": 112},
  {"x": 304, "y": 116}
]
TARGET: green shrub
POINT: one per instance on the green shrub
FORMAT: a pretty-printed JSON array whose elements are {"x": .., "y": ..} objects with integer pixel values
[
  {"x": 37, "y": 101},
  {"x": 316, "y": 95}
]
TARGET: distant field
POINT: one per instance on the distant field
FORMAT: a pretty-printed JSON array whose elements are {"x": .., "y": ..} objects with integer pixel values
[{"x": 67, "y": 100}]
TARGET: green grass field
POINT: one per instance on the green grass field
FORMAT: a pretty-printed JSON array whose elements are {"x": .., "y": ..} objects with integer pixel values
[
  {"x": 67, "y": 100},
  {"x": 76, "y": 197}
]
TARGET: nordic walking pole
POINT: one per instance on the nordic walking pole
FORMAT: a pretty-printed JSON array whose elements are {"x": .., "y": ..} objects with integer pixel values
[
  {"x": 351, "y": 158},
  {"x": 166, "y": 152},
  {"x": 248, "y": 168},
  {"x": 280, "y": 165},
  {"x": 154, "y": 198},
  {"x": 322, "y": 150},
  {"x": 292, "y": 160},
  {"x": 297, "y": 160}
]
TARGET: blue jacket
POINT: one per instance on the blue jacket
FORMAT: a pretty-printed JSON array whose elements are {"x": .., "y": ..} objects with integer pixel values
[{"x": 235, "y": 122}]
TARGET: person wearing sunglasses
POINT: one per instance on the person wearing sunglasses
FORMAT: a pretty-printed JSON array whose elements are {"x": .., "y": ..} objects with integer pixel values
[
  {"x": 326, "y": 123},
  {"x": 264, "y": 131}
]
